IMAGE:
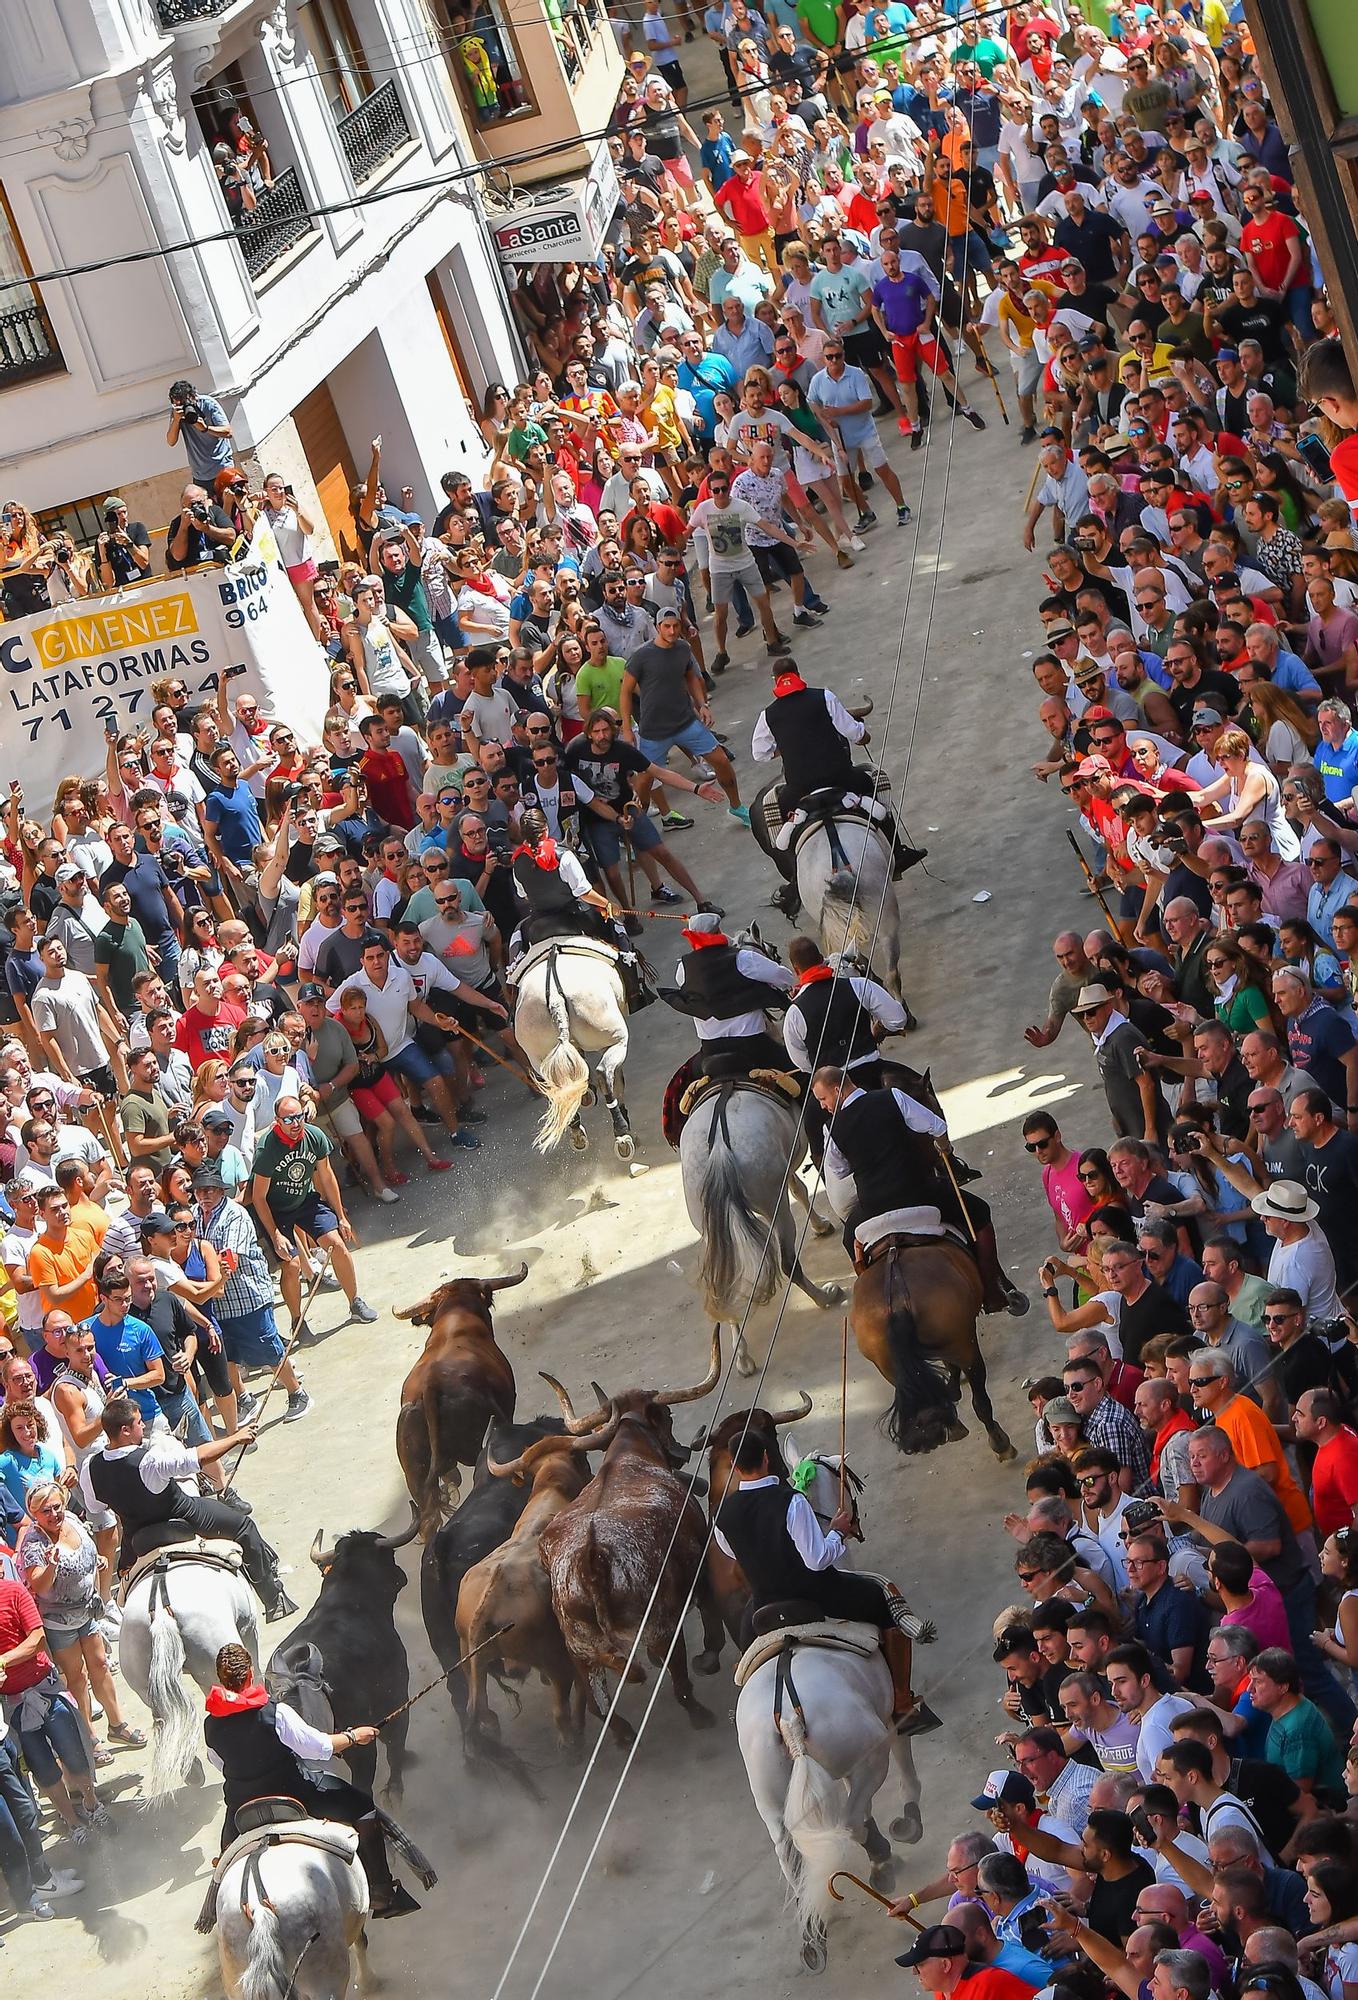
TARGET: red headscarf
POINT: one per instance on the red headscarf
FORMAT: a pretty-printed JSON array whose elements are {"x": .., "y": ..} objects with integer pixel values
[
  {"x": 229, "y": 1701},
  {"x": 544, "y": 853}
]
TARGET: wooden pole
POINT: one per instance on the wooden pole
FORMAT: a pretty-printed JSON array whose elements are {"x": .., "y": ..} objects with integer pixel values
[
  {"x": 843, "y": 1402},
  {"x": 283, "y": 1358}
]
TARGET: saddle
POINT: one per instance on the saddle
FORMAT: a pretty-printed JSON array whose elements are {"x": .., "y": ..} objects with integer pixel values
[
  {"x": 572, "y": 946},
  {"x": 198, "y": 1549},
  {"x": 277, "y": 1822},
  {"x": 687, "y": 1089},
  {"x": 905, "y": 1227},
  {"x": 835, "y": 1635},
  {"x": 822, "y": 809}
]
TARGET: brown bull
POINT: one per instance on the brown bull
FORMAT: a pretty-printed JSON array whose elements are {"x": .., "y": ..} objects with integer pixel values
[
  {"x": 724, "y": 1573},
  {"x": 634, "y": 1531},
  {"x": 509, "y": 1587},
  {"x": 460, "y": 1384}
]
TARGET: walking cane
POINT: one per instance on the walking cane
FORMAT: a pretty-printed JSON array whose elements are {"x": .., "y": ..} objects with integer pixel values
[
  {"x": 455, "y": 1028},
  {"x": 631, "y": 854},
  {"x": 1094, "y": 888},
  {"x": 947, "y": 1168},
  {"x": 992, "y": 375},
  {"x": 283, "y": 1358},
  {"x": 843, "y": 1875}
]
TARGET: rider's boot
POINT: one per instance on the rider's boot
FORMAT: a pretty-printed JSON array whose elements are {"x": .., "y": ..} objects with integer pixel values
[
  {"x": 635, "y": 990},
  {"x": 911, "y": 1715},
  {"x": 390, "y": 1898},
  {"x": 1000, "y": 1295}
]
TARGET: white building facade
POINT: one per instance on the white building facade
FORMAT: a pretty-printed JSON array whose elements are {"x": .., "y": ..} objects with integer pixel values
[{"x": 128, "y": 127}]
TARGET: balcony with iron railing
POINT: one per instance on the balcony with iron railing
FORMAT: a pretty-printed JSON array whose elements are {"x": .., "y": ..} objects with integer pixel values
[
  {"x": 374, "y": 132},
  {"x": 277, "y": 223},
  {"x": 179, "y": 13},
  {"x": 28, "y": 346}
]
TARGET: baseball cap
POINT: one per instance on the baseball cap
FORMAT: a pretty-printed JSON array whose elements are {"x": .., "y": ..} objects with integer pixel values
[
  {"x": 1009, "y": 1788},
  {"x": 1095, "y": 767},
  {"x": 68, "y": 872},
  {"x": 313, "y": 990},
  {"x": 216, "y": 1121},
  {"x": 157, "y": 1223},
  {"x": 326, "y": 876},
  {"x": 1227, "y": 354},
  {"x": 1203, "y": 716},
  {"x": 939, "y": 1941}
]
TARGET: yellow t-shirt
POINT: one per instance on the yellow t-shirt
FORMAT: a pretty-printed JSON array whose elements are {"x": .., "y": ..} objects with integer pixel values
[
  {"x": 1158, "y": 368},
  {"x": 661, "y": 416}
]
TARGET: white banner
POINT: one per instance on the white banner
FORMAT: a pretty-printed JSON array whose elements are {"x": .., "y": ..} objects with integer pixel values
[{"x": 66, "y": 673}]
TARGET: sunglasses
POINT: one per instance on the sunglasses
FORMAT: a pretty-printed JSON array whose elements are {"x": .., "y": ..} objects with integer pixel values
[
  {"x": 1201, "y": 1381},
  {"x": 1035, "y": 1145}
]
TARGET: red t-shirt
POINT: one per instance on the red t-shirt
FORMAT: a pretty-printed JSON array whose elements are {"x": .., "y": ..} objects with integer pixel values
[
  {"x": 388, "y": 783},
  {"x": 741, "y": 200},
  {"x": 1269, "y": 241},
  {"x": 667, "y": 519},
  {"x": 1344, "y": 466},
  {"x": 18, "y": 1617},
  {"x": 202, "y": 1036},
  {"x": 1334, "y": 1483}
]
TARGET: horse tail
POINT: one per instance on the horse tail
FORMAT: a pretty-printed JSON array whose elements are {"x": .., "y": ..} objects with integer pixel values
[
  {"x": 176, "y": 1719},
  {"x": 921, "y": 1409},
  {"x": 265, "y": 1973},
  {"x": 843, "y": 921},
  {"x": 564, "y": 1073},
  {"x": 813, "y": 1815},
  {"x": 735, "y": 1242}
]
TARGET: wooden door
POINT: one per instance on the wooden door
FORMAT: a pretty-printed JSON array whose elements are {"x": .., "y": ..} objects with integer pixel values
[{"x": 331, "y": 462}]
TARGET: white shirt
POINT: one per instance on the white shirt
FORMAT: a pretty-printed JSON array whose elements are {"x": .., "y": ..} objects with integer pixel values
[
  {"x": 14, "y": 1251},
  {"x": 549, "y": 800},
  {"x": 313, "y": 937},
  {"x": 388, "y": 1004},
  {"x": 1307, "y": 1267},
  {"x": 753, "y": 965},
  {"x": 167, "y": 1463},
  {"x": 1045, "y": 1876},
  {"x": 764, "y": 750},
  {"x": 818, "y": 1548},
  {"x": 882, "y": 1007},
  {"x": 917, "y": 1117},
  {"x": 1154, "y": 1734}
]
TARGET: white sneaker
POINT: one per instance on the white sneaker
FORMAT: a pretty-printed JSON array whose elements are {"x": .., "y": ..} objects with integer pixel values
[
  {"x": 857, "y": 543},
  {"x": 388, "y": 1194},
  {"x": 63, "y": 1884}
]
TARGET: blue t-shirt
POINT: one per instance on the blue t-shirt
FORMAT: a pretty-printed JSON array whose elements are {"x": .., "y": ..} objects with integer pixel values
[
  {"x": 1338, "y": 768},
  {"x": 207, "y": 454},
  {"x": 716, "y": 156},
  {"x": 126, "y": 1349},
  {"x": 234, "y": 818},
  {"x": 840, "y": 294},
  {"x": 853, "y": 386},
  {"x": 18, "y": 1471},
  {"x": 702, "y": 380}
]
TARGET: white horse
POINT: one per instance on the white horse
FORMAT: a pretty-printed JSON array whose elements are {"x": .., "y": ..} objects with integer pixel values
[
  {"x": 290, "y": 1924},
  {"x": 842, "y": 898},
  {"x": 177, "y": 1620},
  {"x": 571, "y": 1006},
  {"x": 739, "y": 1152}
]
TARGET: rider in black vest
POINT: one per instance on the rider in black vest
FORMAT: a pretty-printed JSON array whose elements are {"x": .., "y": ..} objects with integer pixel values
[
  {"x": 837, "y": 1017},
  {"x": 811, "y": 731},
  {"x": 561, "y": 903},
  {"x": 883, "y": 1138},
  {"x": 786, "y": 1557},
  {"x": 260, "y": 1744},
  {"x": 727, "y": 988},
  {"x": 137, "y": 1477}
]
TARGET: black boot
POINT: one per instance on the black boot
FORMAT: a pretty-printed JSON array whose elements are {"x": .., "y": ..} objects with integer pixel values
[
  {"x": 389, "y": 1898},
  {"x": 277, "y": 1603},
  {"x": 1000, "y": 1294},
  {"x": 634, "y": 988},
  {"x": 904, "y": 858},
  {"x": 788, "y": 900}
]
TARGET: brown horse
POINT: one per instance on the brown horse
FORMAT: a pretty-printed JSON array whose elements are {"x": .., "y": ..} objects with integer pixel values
[{"x": 914, "y": 1313}]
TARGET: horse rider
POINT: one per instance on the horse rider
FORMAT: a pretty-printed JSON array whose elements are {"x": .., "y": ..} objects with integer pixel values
[
  {"x": 141, "y": 1479},
  {"x": 839, "y": 1018},
  {"x": 811, "y": 730},
  {"x": 727, "y": 989},
  {"x": 787, "y": 1557},
  {"x": 262, "y": 1748},
  {"x": 879, "y": 1138},
  {"x": 562, "y": 904}
]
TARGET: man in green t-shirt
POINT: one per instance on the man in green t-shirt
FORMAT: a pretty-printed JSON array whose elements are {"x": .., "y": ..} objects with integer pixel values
[
  {"x": 294, "y": 1188},
  {"x": 1299, "y": 1737},
  {"x": 598, "y": 683},
  {"x": 119, "y": 952},
  {"x": 144, "y": 1112}
]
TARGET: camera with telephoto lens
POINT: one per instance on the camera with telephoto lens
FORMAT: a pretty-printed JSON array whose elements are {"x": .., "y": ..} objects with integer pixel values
[
  {"x": 199, "y": 513},
  {"x": 110, "y": 517},
  {"x": 497, "y": 840}
]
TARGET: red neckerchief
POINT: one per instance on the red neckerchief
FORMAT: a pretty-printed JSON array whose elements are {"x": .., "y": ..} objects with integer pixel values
[
  {"x": 789, "y": 684},
  {"x": 226, "y": 1701},
  {"x": 1178, "y": 1422},
  {"x": 814, "y": 973},
  {"x": 1020, "y": 1853},
  {"x": 481, "y": 584},
  {"x": 704, "y": 940},
  {"x": 544, "y": 853},
  {"x": 286, "y": 1138}
]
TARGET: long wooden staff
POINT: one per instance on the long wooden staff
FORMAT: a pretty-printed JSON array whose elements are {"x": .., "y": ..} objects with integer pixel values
[{"x": 843, "y": 1402}]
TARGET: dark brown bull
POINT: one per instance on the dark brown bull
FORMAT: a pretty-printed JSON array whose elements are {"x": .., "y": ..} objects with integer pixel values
[
  {"x": 635, "y": 1530},
  {"x": 725, "y": 1575},
  {"x": 461, "y": 1383}
]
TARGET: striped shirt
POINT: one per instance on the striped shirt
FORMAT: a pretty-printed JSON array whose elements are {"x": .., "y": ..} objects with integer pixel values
[{"x": 248, "y": 1285}]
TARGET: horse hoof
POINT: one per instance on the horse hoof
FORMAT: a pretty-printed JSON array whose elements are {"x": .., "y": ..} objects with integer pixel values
[
  {"x": 835, "y": 1295},
  {"x": 876, "y": 1845},
  {"x": 908, "y": 1827},
  {"x": 588, "y": 1099},
  {"x": 195, "y": 1775},
  {"x": 820, "y": 1227},
  {"x": 1002, "y": 1448},
  {"x": 815, "y": 1950},
  {"x": 955, "y": 1432},
  {"x": 579, "y": 1138},
  {"x": 624, "y": 1145},
  {"x": 884, "y": 1876},
  {"x": 707, "y": 1663},
  {"x": 745, "y": 1361}
]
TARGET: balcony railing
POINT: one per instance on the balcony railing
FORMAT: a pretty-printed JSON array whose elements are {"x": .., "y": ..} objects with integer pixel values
[
  {"x": 176, "y": 13},
  {"x": 374, "y": 131},
  {"x": 278, "y": 220},
  {"x": 28, "y": 346}
]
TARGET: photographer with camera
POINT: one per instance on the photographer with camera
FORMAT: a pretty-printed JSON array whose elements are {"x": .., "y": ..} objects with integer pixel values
[
  {"x": 200, "y": 422},
  {"x": 72, "y": 573},
  {"x": 199, "y": 532},
  {"x": 122, "y": 553}
]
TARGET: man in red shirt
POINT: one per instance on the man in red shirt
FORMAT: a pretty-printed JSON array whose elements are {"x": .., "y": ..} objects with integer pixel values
[
  {"x": 1327, "y": 380},
  {"x": 384, "y": 772},
  {"x": 1334, "y": 1477},
  {"x": 208, "y": 1027},
  {"x": 740, "y": 201},
  {"x": 939, "y": 1961},
  {"x": 1271, "y": 242}
]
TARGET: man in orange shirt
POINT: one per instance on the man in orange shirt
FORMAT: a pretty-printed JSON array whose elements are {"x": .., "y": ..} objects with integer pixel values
[
  {"x": 1253, "y": 1438},
  {"x": 61, "y": 1262}
]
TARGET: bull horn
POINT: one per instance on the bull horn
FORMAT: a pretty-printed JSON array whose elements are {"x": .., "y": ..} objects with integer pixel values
[
  {"x": 575, "y": 1425},
  {"x": 400, "y": 1541},
  {"x": 500, "y": 1284},
  {"x": 321, "y": 1561},
  {"x": 528, "y": 1461},
  {"x": 792, "y": 1416},
  {"x": 703, "y": 1388}
]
